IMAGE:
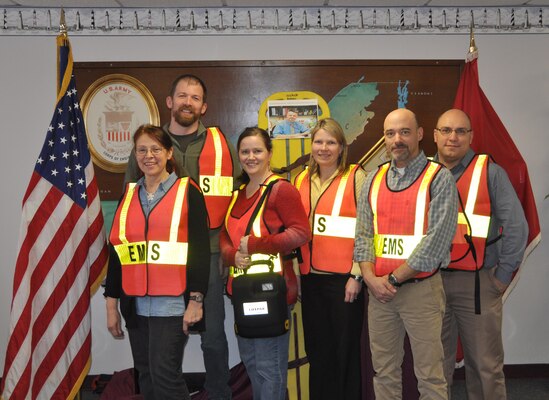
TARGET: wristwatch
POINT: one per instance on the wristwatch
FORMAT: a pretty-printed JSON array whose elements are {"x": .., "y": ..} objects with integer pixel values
[
  {"x": 199, "y": 297},
  {"x": 393, "y": 280},
  {"x": 357, "y": 278}
]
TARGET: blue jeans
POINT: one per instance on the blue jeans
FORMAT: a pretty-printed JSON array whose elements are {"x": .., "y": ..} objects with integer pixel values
[
  {"x": 266, "y": 362},
  {"x": 214, "y": 345},
  {"x": 157, "y": 348}
]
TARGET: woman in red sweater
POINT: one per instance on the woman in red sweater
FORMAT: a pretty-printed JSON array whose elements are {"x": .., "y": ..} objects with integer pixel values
[{"x": 282, "y": 226}]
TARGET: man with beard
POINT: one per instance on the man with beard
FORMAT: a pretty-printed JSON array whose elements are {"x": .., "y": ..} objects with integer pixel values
[
  {"x": 406, "y": 219},
  {"x": 208, "y": 157}
]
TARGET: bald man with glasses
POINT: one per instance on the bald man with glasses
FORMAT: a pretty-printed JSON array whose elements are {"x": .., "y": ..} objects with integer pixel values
[{"x": 487, "y": 249}]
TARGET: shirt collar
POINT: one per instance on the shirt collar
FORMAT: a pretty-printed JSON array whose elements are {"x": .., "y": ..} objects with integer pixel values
[{"x": 416, "y": 163}]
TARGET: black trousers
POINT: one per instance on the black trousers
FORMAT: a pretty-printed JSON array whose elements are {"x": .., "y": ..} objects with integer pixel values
[
  {"x": 332, "y": 331},
  {"x": 157, "y": 348}
]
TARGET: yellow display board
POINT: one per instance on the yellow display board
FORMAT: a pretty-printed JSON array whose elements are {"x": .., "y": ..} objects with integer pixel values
[
  {"x": 298, "y": 366},
  {"x": 287, "y": 151}
]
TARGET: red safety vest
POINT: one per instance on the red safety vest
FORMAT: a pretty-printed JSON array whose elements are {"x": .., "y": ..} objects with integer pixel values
[
  {"x": 475, "y": 209},
  {"x": 400, "y": 218},
  {"x": 153, "y": 251},
  {"x": 216, "y": 170},
  {"x": 333, "y": 224},
  {"x": 236, "y": 228}
]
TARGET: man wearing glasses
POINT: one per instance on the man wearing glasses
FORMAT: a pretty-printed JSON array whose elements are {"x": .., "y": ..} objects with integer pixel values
[
  {"x": 487, "y": 248},
  {"x": 406, "y": 219}
]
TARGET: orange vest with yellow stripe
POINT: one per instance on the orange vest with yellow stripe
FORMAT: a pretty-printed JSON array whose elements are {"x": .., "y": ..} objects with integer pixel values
[
  {"x": 400, "y": 218},
  {"x": 153, "y": 251},
  {"x": 236, "y": 228},
  {"x": 475, "y": 209},
  {"x": 216, "y": 169},
  {"x": 333, "y": 224}
]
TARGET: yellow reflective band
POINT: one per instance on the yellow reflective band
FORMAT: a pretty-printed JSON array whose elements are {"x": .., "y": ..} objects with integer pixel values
[
  {"x": 261, "y": 268},
  {"x": 334, "y": 226},
  {"x": 375, "y": 191},
  {"x": 214, "y": 185},
  {"x": 422, "y": 198},
  {"x": 124, "y": 213},
  {"x": 396, "y": 246},
  {"x": 300, "y": 178},
  {"x": 218, "y": 151},
  {"x": 479, "y": 223},
  {"x": 341, "y": 191},
  {"x": 231, "y": 204},
  {"x": 156, "y": 252},
  {"x": 176, "y": 214}
]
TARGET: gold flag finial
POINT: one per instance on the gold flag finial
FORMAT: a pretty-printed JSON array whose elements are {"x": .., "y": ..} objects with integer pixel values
[
  {"x": 62, "y": 24},
  {"x": 472, "y": 45}
]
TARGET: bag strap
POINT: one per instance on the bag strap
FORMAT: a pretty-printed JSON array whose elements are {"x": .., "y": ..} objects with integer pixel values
[{"x": 258, "y": 207}]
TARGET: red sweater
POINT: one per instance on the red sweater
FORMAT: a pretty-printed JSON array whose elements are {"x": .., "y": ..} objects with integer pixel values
[{"x": 284, "y": 216}]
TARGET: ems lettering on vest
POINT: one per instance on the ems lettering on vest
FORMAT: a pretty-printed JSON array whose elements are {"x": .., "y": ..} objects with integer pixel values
[
  {"x": 335, "y": 226},
  {"x": 137, "y": 252},
  {"x": 212, "y": 185},
  {"x": 396, "y": 246},
  {"x": 393, "y": 246},
  {"x": 153, "y": 252}
]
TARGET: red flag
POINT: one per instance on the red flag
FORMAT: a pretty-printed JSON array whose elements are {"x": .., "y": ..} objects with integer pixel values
[
  {"x": 492, "y": 138},
  {"x": 61, "y": 259}
]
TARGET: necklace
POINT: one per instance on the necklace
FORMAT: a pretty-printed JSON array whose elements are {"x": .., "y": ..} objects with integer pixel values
[{"x": 150, "y": 197}]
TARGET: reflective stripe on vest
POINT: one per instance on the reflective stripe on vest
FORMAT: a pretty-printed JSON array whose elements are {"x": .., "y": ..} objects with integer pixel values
[
  {"x": 237, "y": 230},
  {"x": 333, "y": 221},
  {"x": 216, "y": 176},
  {"x": 474, "y": 221},
  {"x": 479, "y": 223},
  {"x": 148, "y": 265},
  {"x": 391, "y": 249}
]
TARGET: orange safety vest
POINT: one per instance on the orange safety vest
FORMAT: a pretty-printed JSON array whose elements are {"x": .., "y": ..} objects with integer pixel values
[
  {"x": 400, "y": 218},
  {"x": 333, "y": 224},
  {"x": 236, "y": 228},
  {"x": 215, "y": 166},
  {"x": 153, "y": 251},
  {"x": 475, "y": 208}
]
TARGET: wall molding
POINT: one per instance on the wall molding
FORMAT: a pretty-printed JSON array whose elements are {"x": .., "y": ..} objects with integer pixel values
[{"x": 17, "y": 21}]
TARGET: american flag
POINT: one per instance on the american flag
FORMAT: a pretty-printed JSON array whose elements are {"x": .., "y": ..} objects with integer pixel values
[{"x": 61, "y": 259}]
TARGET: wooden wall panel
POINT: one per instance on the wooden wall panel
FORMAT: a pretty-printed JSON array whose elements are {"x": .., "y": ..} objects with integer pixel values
[{"x": 236, "y": 90}]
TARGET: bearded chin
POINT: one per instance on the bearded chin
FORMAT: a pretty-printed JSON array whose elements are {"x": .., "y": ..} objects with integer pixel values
[{"x": 185, "y": 121}]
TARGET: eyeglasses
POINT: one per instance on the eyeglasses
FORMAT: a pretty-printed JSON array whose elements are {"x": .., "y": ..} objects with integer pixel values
[
  {"x": 143, "y": 151},
  {"x": 402, "y": 132},
  {"x": 446, "y": 131}
]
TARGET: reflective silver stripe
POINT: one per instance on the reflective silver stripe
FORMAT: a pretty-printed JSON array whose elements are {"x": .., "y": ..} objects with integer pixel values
[
  {"x": 479, "y": 223},
  {"x": 340, "y": 192},
  {"x": 422, "y": 199},
  {"x": 335, "y": 226},
  {"x": 396, "y": 246},
  {"x": 157, "y": 252},
  {"x": 178, "y": 206}
]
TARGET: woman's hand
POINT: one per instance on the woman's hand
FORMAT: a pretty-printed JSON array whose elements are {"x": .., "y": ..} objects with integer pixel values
[
  {"x": 242, "y": 260},
  {"x": 193, "y": 314},
  {"x": 244, "y": 244},
  {"x": 352, "y": 290},
  {"x": 114, "y": 321}
]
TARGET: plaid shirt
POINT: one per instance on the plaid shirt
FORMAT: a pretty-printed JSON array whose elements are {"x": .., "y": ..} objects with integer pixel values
[{"x": 434, "y": 249}]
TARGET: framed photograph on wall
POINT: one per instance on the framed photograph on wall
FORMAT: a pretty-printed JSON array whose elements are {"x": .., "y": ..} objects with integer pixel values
[
  {"x": 292, "y": 118},
  {"x": 114, "y": 106}
]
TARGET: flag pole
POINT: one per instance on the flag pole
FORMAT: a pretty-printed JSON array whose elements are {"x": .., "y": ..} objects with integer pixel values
[
  {"x": 62, "y": 40},
  {"x": 472, "y": 45}
]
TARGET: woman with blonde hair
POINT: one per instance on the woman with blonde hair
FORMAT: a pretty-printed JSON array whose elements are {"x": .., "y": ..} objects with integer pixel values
[{"x": 331, "y": 283}]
